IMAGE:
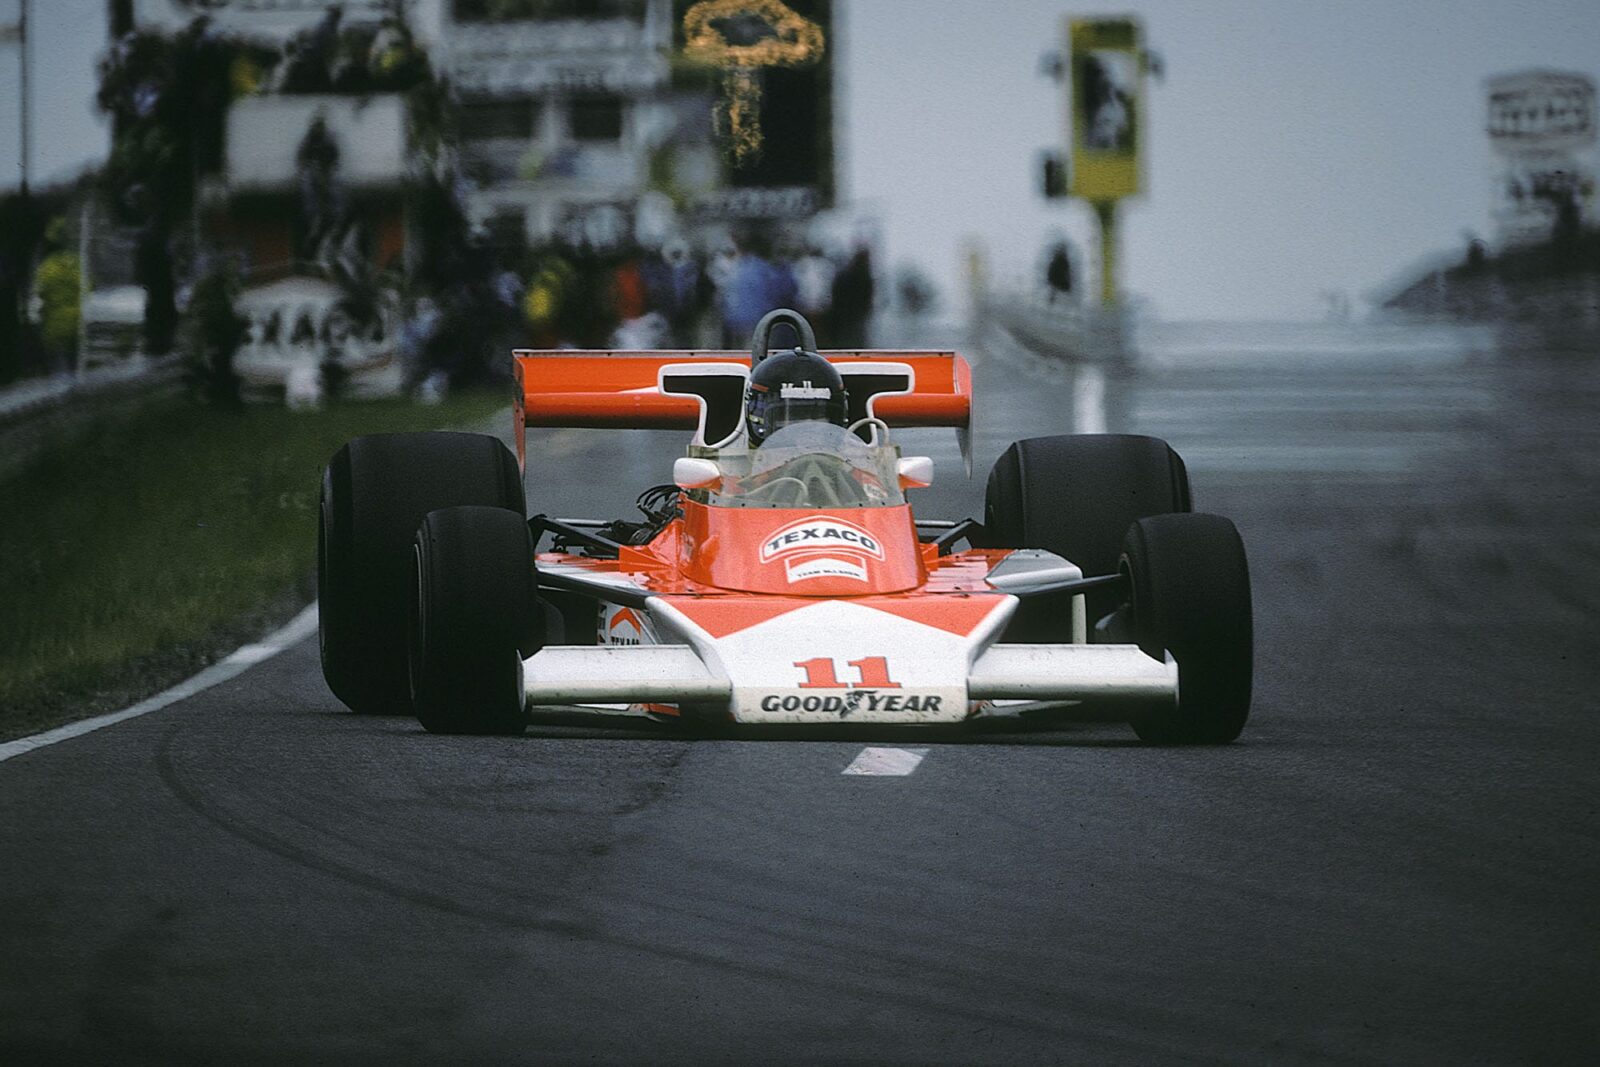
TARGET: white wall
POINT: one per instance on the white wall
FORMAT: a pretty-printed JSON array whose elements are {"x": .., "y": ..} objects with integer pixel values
[{"x": 264, "y": 135}]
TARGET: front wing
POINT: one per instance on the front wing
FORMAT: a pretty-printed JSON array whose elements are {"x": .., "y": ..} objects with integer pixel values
[{"x": 869, "y": 660}]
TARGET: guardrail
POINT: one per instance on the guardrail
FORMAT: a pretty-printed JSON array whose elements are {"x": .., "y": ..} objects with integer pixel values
[
  {"x": 1065, "y": 331},
  {"x": 39, "y": 413}
]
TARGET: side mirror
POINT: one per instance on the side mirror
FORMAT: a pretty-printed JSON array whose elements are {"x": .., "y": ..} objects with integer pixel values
[
  {"x": 916, "y": 472},
  {"x": 692, "y": 472}
]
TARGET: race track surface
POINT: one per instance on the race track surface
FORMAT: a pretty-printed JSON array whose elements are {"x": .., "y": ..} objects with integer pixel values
[{"x": 1397, "y": 863}]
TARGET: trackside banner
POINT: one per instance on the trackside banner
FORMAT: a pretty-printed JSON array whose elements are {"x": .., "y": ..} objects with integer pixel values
[{"x": 1107, "y": 107}]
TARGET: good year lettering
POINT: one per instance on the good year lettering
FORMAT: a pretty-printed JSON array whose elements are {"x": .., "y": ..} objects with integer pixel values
[{"x": 857, "y": 701}]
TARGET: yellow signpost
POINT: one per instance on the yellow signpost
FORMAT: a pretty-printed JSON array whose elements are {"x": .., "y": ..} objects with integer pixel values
[{"x": 1106, "y": 124}]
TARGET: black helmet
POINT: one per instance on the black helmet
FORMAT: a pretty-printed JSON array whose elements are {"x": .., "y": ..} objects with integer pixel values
[{"x": 793, "y": 386}]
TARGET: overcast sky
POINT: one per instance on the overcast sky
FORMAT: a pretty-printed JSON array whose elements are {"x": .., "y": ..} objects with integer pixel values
[{"x": 1295, "y": 146}]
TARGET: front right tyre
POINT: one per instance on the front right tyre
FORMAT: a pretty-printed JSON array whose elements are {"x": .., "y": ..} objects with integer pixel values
[{"x": 474, "y": 618}]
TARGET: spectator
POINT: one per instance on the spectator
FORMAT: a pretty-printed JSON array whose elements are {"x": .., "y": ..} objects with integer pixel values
[
  {"x": 416, "y": 337},
  {"x": 756, "y": 286},
  {"x": 542, "y": 304},
  {"x": 586, "y": 315},
  {"x": 852, "y": 301},
  {"x": 679, "y": 290},
  {"x": 1477, "y": 255},
  {"x": 813, "y": 275},
  {"x": 628, "y": 296},
  {"x": 317, "y": 161},
  {"x": 1058, "y": 273},
  {"x": 153, "y": 264}
]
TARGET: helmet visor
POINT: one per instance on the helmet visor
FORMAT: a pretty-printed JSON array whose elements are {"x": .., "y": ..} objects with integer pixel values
[{"x": 771, "y": 412}]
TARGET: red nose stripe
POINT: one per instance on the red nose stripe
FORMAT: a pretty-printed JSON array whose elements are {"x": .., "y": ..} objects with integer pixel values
[
  {"x": 959, "y": 615},
  {"x": 721, "y": 616}
]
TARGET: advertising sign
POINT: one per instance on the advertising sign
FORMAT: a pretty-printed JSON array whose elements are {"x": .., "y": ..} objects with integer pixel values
[
  {"x": 1542, "y": 130},
  {"x": 1540, "y": 111},
  {"x": 1107, "y": 81},
  {"x": 775, "y": 61}
]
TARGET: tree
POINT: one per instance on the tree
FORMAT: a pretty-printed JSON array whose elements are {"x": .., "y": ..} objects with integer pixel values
[
  {"x": 168, "y": 99},
  {"x": 216, "y": 332},
  {"x": 19, "y": 238}
]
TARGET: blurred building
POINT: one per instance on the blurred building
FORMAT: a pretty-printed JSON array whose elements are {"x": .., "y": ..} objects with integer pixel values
[
  {"x": 580, "y": 121},
  {"x": 362, "y": 147},
  {"x": 317, "y": 147},
  {"x": 1542, "y": 133},
  {"x": 565, "y": 109},
  {"x": 569, "y": 120}
]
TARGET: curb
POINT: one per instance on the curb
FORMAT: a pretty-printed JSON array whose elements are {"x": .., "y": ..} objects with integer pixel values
[{"x": 242, "y": 659}]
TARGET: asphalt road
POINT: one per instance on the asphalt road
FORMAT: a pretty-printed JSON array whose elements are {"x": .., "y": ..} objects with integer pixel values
[{"x": 1397, "y": 863}]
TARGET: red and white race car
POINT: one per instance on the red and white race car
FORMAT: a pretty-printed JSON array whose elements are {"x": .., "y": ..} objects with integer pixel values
[{"x": 781, "y": 577}]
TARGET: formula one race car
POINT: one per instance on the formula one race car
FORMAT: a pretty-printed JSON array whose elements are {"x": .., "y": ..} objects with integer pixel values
[{"x": 781, "y": 578}]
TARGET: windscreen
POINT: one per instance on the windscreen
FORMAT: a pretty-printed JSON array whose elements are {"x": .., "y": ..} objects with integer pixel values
[{"x": 809, "y": 465}]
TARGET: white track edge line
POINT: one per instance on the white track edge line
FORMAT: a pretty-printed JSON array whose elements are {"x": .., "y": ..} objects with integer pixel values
[{"x": 242, "y": 659}]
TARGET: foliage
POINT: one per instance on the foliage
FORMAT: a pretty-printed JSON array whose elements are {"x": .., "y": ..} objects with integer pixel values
[
  {"x": 366, "y": 57},
  {"x": 168, "y": 97},
  {"x": 430, "y": 120},
  {"x": 523, "y": 10},
  {"x": 165, "y": 538},
  {"x": 214, "y": 332},
  {"x": 59, "y": 282}
]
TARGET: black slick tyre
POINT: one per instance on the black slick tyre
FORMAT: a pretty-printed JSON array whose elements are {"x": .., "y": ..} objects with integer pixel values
[
  {"x": 474, "y": 617},
  {"x": 1190, "y": 589},
  {"x": 375, "y": 492},
  {"x": 1075, "y": 495}
]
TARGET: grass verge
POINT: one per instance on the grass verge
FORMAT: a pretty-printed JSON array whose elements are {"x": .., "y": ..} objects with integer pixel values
[{"x": 134, "y": 558}]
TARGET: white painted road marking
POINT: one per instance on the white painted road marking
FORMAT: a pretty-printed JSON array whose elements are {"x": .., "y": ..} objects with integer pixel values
[
  {"x": 1089, "y": 400},
  {"x": 242, "y": 659},
  {"x": 886, "y": 761}
]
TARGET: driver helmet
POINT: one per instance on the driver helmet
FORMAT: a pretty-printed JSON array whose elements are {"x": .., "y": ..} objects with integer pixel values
[{"x": 793, "y": 386}]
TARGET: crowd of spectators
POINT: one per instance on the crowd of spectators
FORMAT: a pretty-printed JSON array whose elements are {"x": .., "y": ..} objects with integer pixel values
[{"x": 672, "y": 296}]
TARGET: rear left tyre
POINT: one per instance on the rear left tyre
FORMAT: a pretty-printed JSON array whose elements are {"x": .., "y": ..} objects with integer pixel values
[
  {"x": 1074, "y": 495},
  {"x": 1190, "y": 595},
  {"x": 474, "y": 617}
]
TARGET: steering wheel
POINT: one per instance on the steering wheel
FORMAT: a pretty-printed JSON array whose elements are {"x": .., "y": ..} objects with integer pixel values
[{"x": 829, "y": 481}]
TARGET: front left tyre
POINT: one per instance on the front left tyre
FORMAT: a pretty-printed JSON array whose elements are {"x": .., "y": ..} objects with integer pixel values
[
  {"x": 1190, "y": 596},
  {"x": 474, "y": 617},
  {"x": 376, "y": 490}
]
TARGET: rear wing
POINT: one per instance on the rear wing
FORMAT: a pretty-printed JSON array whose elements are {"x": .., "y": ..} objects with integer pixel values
[{"x": 703, "y": 391}]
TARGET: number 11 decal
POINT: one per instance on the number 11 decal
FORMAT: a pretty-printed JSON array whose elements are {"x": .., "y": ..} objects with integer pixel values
[{"x": 872, "y": 670}]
